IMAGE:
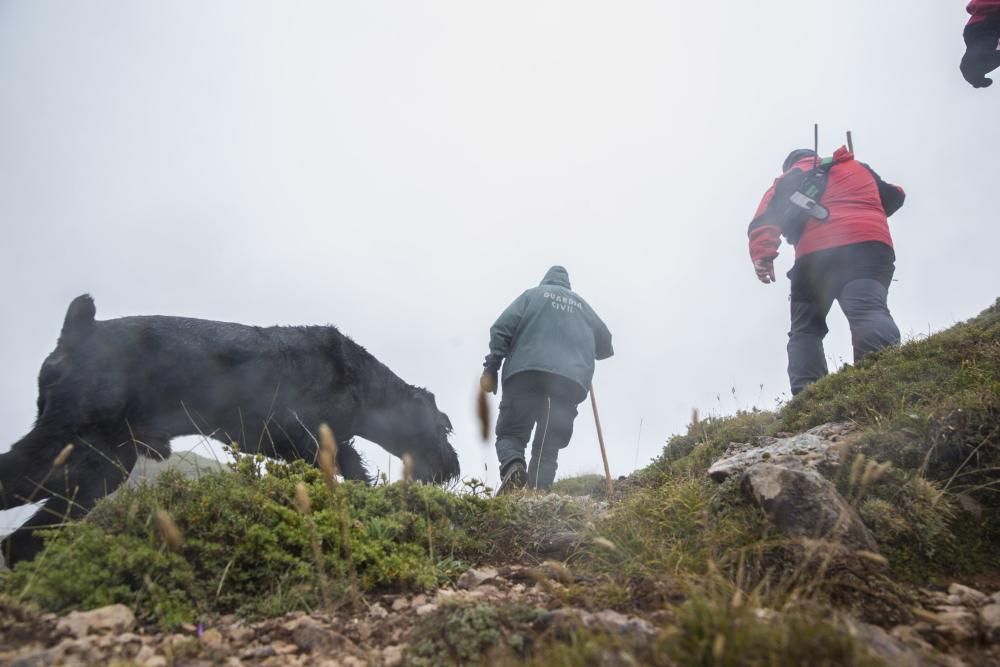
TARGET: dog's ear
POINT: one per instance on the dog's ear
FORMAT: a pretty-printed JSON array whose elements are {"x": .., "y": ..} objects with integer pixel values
[{"x": 79, "y": 320}]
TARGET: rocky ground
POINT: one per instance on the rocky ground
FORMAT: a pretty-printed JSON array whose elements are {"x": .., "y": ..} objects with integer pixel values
[{"x": 953, "y": 627}]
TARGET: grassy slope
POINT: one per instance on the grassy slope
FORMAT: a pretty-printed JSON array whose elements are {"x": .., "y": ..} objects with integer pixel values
[{"x": 931, "y": 408}]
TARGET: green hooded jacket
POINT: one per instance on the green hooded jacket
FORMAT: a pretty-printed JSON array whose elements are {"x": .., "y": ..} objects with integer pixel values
[{"x": 549, "y": 328}]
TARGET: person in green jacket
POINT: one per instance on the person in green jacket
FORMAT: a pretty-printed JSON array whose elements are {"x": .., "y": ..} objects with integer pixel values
[{"x": 547, "y": 342}]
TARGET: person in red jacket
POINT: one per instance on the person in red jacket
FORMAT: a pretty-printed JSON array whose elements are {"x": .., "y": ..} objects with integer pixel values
[
  {"x": 982, "y": 42},
  {"x": 847, "y": 256}
]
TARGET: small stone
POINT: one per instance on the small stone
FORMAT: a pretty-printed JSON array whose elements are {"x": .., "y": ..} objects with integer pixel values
[
  {"x": 953, "y": 600},
  {"x": 155, "y": 661},
  {"x": 969, "y": 596},
  {"x": 113, "y": 618},
  {"x": 127, "y": 638},
  {"x": 956, "y": 623},
  {"x": 989, "y": 618},
  {"x": 351, "y": 661},
  {"x": 487, "y": 591},
  {"x": 425, "y": 609},
  {"x": 145, "y": 653},
  {"x": 258, "y": 653},
  {"x": 418, "y": 601},
  {"x": 211, "y": 636},
  {"x": 239, "y": 633},
  {"x": 399, "y": 604},
  {"x": 36, "y": 659},
  {"x": 377, "y": 611},
  {"x": 392, "y": 656},
  {"x": 475, "y": 577},
  {"x": 313, "y": 637},
  {"x": 908, "y": 636},
  {"x": 284, "y": 648}
]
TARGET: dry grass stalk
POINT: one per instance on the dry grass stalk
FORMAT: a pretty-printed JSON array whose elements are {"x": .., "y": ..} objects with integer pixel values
[
  {"x": 407, "y": 468},
  {"x": 328, "y": 456},
  {"x": 304, "y": 506},
  {"x": 168, "y": 530},
  {"x": 327, "y": 463},
  {"x": 856, "y": 468},
  {"x": 302, "y": 502}
]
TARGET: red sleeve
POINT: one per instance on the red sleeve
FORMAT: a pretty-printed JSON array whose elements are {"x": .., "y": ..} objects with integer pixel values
[
  {"x": 981, "y": 9},
  {"x": 764, "y": 238}
]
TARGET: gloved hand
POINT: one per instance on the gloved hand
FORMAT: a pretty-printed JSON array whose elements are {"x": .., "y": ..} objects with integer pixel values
[
  {"x": 488, "y": 382},
  {"x": 981, "y": 52},
  {"x": 765, "y": 270}
]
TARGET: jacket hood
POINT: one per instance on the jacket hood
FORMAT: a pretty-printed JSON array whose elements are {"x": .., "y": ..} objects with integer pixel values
[{"x": 557, "y": 275}]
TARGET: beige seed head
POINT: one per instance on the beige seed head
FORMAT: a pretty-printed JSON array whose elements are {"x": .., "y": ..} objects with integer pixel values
[
  {"x": 856, "y": 468},
  {"x": 605, "y": 543},
  {"x": 169, "y": 532},
  {"x": 302, "y": 502},
  {"x": 876, "y": 558},
  {"x": 408, "y": 467},
  {"x": 62, "y": 455},
  {"x": 719, "y": 646}
]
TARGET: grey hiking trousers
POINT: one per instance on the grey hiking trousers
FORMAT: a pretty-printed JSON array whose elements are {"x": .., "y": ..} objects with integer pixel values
[
  {"x": 858, "y": 278},
  {"x": 547, "y": 403}
]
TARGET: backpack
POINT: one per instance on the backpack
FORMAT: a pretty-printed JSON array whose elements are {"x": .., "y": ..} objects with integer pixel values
[{"x": 796, "y": 200}]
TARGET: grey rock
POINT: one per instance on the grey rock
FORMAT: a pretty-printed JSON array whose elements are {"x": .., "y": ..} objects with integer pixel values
[
  {"x": 956, "y": 623},
  {"x": 989, "y": 620},
  {"x": 392, "y": 656},
  {"x": 313, "y": 637},
  {"x": 818, "y": 447},
  {"x": 802, "y": 503},
  {"x": 882, "y": 644},
  {"x": 113, "y": 618},
  {"x": 617, "y": 623},
  {"x": 559, "y": 544},
  {"x": 475, "y": 577},
  {"x": 36, "y": 659},
  {"x": 425, "y": 609},
  {"x": 968, "y": 596}
]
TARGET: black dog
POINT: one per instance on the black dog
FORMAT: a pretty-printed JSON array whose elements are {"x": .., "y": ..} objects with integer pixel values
[{"x": 119, "y": 389}]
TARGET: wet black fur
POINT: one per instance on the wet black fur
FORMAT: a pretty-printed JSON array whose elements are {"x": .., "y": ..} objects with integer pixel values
[{"x": 123, "y": 388}]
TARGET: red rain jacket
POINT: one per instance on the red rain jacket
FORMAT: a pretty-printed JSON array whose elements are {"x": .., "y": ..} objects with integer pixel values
[
  {"x": 859, "y": 203},
  {"x": 982, "y": 9}
]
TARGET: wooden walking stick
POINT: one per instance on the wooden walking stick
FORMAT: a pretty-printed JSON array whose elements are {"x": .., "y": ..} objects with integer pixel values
[
  {"x": 850, "y": 141},
  {"x": 600, "y": 440}
]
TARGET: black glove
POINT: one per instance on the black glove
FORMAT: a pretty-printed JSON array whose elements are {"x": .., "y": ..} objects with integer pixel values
[{"x": 981, "y": 54}]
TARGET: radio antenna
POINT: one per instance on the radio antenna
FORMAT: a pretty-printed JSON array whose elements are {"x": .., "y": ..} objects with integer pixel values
[{"x": 815, "y": 145}]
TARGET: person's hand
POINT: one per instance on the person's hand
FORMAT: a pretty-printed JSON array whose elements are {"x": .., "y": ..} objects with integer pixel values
[
  {"x": 765, "y": 270},
  {"x": 488, "y": 382},
  {"x": 981, "y": 57}
]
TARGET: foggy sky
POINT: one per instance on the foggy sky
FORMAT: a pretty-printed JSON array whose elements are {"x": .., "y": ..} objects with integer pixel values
[{"x": 405, "y": 169}]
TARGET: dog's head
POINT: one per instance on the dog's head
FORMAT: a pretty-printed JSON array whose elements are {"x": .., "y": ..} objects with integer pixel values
[
  {"x": 83, "y": 380},
  {"x": 431, "y": 431}
]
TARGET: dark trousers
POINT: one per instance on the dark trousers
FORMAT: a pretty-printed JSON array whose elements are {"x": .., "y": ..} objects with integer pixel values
[
  {"x": 857, "y": 277},
  {"x": 545, "y": 403}
]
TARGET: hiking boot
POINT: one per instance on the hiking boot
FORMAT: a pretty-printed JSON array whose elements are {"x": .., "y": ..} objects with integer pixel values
[{"x": 515, "y": 476}]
